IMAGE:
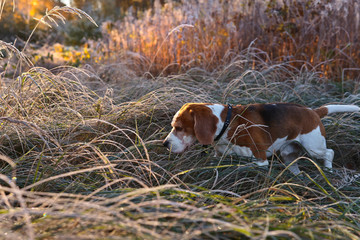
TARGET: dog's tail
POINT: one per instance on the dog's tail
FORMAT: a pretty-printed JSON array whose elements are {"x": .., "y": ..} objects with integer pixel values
[{"x": 328, "y": 109}]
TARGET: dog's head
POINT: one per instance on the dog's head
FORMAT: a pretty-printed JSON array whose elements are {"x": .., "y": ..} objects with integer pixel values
[{"x": 194, "y": 121}]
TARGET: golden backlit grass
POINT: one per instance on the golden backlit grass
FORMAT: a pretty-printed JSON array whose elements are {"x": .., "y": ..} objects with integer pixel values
[{"x": 178, "y": 36}]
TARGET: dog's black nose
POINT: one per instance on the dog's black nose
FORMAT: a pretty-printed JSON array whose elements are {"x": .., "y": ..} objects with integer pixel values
[{"x": 166, "y": 144}]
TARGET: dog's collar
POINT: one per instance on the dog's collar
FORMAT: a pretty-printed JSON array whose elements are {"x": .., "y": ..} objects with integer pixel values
[{"x": 226, "y": 123}]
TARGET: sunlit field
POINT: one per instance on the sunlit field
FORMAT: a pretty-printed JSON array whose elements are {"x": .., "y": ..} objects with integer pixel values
[{"x": 81, "y": 153}]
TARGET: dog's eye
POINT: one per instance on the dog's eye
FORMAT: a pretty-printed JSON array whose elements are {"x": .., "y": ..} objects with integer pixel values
[{"x": 178, "y": 129}]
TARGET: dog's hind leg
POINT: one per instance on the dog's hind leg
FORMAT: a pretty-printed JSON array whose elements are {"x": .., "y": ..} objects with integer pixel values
[
  {"x": 289, "y": 154},
  {"x": 321, "y": 152},
  {"x": 328, "y": 158},
  {"x": 315, "y": 145}
]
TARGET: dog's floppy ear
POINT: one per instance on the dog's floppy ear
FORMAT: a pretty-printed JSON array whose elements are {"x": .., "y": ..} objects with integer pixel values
[{"x": 204, "y": 125}]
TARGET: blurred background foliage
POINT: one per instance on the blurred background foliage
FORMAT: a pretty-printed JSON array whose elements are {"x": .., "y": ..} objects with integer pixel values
[
  {"x": 170, "y": 36},
  {"x": 113, "y": 9},
  {"x": 17, "y": 21},
  {"x": 78, "y": 32}
]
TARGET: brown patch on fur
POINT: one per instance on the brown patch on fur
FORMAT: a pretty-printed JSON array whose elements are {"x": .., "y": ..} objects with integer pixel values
[
  {"x": 321, "y": 111},
  {"x": 198, "y": 120},
  {"x": 264, "y": 123}
]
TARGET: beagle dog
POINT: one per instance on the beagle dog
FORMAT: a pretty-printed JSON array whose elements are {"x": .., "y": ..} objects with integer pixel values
[{"x": 255, "y": 130}]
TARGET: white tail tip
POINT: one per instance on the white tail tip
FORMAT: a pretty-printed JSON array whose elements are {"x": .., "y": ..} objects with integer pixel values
[{"x": 342, "y": 108}]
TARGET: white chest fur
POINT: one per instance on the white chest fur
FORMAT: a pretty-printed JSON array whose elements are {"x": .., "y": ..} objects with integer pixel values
[{"x": 217, "y": 110}]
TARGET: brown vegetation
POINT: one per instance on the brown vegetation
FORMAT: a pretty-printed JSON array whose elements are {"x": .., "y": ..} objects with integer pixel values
[{"x": 318, "y": 35}]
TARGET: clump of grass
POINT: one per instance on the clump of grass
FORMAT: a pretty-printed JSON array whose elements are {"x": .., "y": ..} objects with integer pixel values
[{"x": 172, "y": 212}]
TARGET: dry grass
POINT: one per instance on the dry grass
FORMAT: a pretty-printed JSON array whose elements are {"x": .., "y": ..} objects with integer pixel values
[
  {"x": 81, "y": 157},
  {"x": 84, "y": 160},
  {"x": 209, "y": 34}
]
